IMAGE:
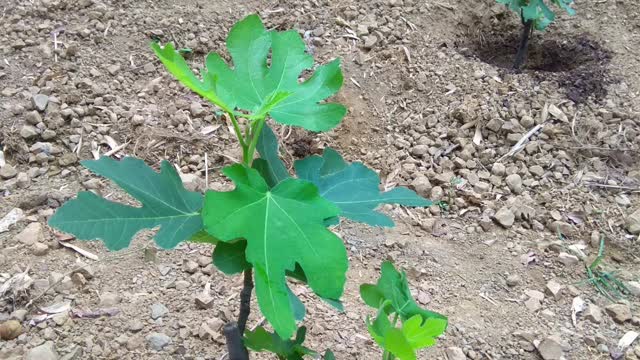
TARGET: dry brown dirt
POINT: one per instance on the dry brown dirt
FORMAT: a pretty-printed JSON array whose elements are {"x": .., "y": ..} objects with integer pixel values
[{"x": 436, "y": 77}]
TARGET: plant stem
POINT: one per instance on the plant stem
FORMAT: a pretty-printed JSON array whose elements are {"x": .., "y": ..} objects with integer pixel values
[
  {"x": 235, "y": 347},
  {"x": 524, "y": 44},
  {"x": 255, "y": 135},
  {"x": 236, "y": 129},
  {"x": 245, "y": 300}
]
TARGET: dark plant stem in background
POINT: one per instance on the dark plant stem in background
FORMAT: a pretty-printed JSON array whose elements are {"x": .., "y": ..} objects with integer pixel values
[
  {"x": 233, "y": 331},
  {"x": 235, "y": 347},
  {"x": 245, "y": 300},
  {"x": 524, "y": 44}
]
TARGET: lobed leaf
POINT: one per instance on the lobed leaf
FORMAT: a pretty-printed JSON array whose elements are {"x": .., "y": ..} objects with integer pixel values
[
  {"x": 354, "y": 188},
  {"x": 393, "y": 288},
  {"x": 283, "y": 227},
  {"x": 261, "y": 340},
  {"x": 537, "y": 10},
  {"x": 165, "y": 203},
  {"x": 254, "y": 86}
]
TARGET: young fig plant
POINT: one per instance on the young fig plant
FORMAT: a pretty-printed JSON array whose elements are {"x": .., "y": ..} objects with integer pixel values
[
  {"x": 391, "y": 296},
  {"x": 274, "y": 226},
  {"x": 534, "y": 14}
]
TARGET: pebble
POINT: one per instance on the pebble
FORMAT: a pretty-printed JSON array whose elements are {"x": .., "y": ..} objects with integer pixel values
[
  {"x": 33, "y": 118},
  {"x": 593, "y": 313},
  {"x": 39, "y": 249},
  {"x": 29, "y": 132},
  {"x": 554, "y": 289},
  {"x": 514, "y": 182},
  {"x": 8, "y": 172},
  {"x": 109, "y": 299},
  {"x": 370, "y": 41},
  {"x": 31, "y": 234},
  {"x": 632, "y": 222},
  {"x": 204, "y": 301},
  {"x": 634, "y": 288},
  {"x": 567, "y": 259},
  {"x": 505, "y": 217},
  {"x": 158, "y": 310},
  {"x": 550, "y": 349},
  {"x": 514, "y": 280},
  {"x": 135, "y": 326},
  {"x": 455, "y": 353},
  {"x": 68, "y": 159},
  {"x": 190, "y": 266},
  {"x": 45, "y": 351},
  {"x": 10, "y": 329},
  {"x": 157, "y": 341},
  {"x": 620, "y": 313},
  {"x": 40, "y": 101}
]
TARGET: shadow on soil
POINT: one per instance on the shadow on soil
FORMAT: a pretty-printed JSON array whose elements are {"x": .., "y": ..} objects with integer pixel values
[{"x": 579, "y": 64}]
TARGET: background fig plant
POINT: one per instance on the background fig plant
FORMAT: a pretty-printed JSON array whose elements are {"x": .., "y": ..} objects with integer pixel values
[
  {"x": 273, "y": 226},
  {"x": 534, "y": 14}
]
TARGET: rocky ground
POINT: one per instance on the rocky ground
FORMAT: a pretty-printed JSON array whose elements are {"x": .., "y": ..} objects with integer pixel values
[{"x": 533, "y": 169}]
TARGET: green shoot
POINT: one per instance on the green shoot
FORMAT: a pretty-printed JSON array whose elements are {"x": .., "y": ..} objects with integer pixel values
[{"x": 605, "y": 282}]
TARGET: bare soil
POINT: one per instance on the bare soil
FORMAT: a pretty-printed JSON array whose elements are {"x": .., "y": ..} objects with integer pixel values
[{"x": 437, "y": 75}]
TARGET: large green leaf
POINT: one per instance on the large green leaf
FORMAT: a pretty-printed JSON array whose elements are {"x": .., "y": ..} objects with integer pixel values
[
  {"x": 269, "y": 165},
  {"x": 394, "y": 288},
  {"x": 282, "y": 226},
  {"x": 261, "y": 88},
  {"x": 354, "y": 188},
  {"x": 165, "y": 203}
]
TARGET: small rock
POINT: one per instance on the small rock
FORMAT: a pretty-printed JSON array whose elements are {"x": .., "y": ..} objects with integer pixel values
[
  {"x": 550, "y": 349},
  {"x": 620, "y": 313},
  {"x": 157, "y": 341},
  {"x": 513, "y": 280},
  {"x": 39, "y": 249},
  {"x": 420, "y": 150},
  {"x": 567, "y": 259},
  {"x": 554, "y": 289},
  {"x": 190, "y": 266},
  {"x": 29, "y": 132},
  {"x": 135, "y": 326},
  {"x": 634, "y": 288},
  {"x": 40, "y": 101},
  {"x": 10, "y": 329},
  {"x": 514, "y": 182},
  {"x": 33, "y": 118},
  {"x": 533, "y": 304},
  {"x": 370, "y": 41},
  {"x": 109, "y": 299},
  {"x": 45, "y": 351},
  {"x": 68, "y": 159},
  {"x": 632, "y": 223},
  {"x": 204, "y": 301},
  {"x": 137, "y": 120},
  {"x": 19, "y": 314},
  {"x": 421, "y": 185},
  {"x": 498, "y": 169},
  {"x": 455, "y": 353},
  {"x": 23, "y": 180},
  {"x": 158, "y": 310},
  {"x": 505, "y": 217},
  {"x": 536, "y": 170},
  {"x": 193, "y": 182},
  {"x": 423, "y": 297},
  {"x": 593, "y": 313},
  {"x": 31, "y": 234},
  {"x": 8, "y": 172},
  {"x": 196, "y": 109}
]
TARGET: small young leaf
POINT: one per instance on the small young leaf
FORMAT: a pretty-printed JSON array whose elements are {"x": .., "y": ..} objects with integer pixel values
[
  {"x": 165, "y": 203},
  {"x": 393, "y": 286},
  {"x": 371, "y": 295},
  {"x": 261, "y": 340},
  {"x": 229, "y": 257},
  {"x": 421, "y": 334},
  {"x": 328, "y": 355},
  {"x": 354, "y": 188},
  {"x": 282, "y": 226},
  {"x": 271, "y": 167}
]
